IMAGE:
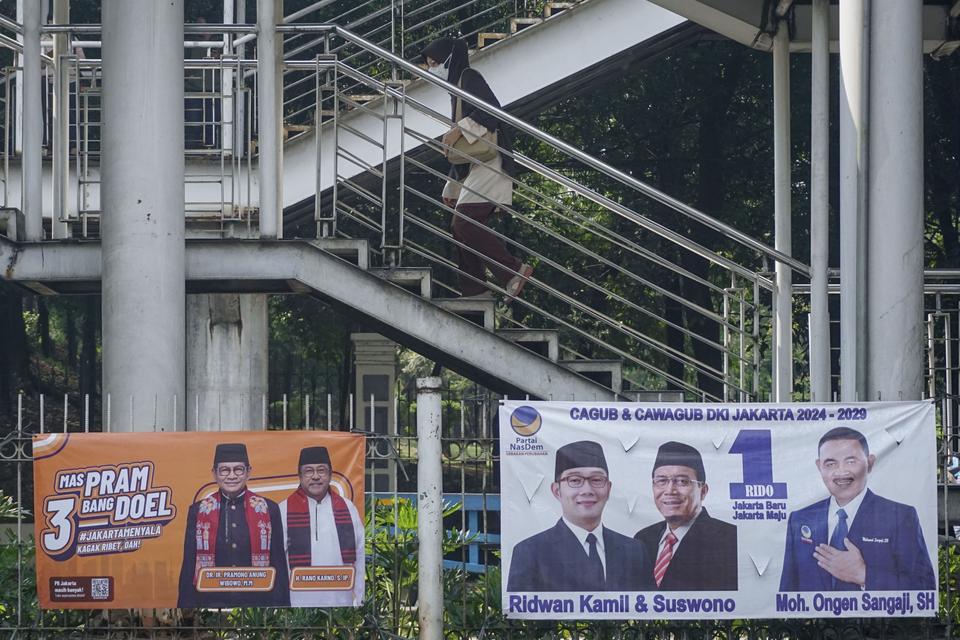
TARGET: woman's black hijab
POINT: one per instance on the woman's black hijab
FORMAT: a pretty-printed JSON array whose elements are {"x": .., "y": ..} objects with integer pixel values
[{"x": 455, "y": 49}]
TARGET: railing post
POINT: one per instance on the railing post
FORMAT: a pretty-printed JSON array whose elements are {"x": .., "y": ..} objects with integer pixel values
[
  {"x": 783, "y": 293},
  {"x": 270, "y": 110},
  {"x": 820, "y": 204},
  {"x": 61, "y": 124},
  {"x": 32, "y": 123},
  {"x": 854, "y": 62},
  {"x": 430, "y": 508}
]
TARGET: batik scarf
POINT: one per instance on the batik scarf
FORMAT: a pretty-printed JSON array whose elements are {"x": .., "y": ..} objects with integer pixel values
[{"x": 208, "y": 522}]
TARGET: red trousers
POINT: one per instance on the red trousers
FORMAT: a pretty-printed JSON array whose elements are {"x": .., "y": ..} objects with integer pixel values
[{"x": 478, "y": 237}]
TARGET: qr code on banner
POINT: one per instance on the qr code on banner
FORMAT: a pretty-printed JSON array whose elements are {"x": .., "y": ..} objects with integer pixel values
[{"x": 100, "y": 588}]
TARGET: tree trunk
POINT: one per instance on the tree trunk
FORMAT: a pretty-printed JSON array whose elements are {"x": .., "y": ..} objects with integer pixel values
[
  {"x": 88, "y": 346},
  {"x": 15, "y": 355},
  {"x": 43, "y": 327},
  {"x": 70, "y": 333}
]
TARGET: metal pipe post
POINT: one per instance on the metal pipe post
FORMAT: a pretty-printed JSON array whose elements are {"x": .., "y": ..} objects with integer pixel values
[
  {"x": 430, "y": 508},
  {"x": 269, "y": 106},
  {"x": 895, "y": 246},
  {"x": 854, "y": 61},
  {"x": 61, "y": 124},
  {"x": 783, "y": 294},
  {"x": 820, "y": 204},
  {"x": 32, "y": 124},
  {"x": 18, "y": 88},
  {"x": 143, "y": 210}
]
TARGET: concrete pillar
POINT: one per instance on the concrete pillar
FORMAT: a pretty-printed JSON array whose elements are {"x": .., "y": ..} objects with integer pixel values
[
  {"x": 227, "y": 361},
  {"x": 820, "y": 204},
  {"x": 895, "y": 329},
  {"x": 143, "y": 214},
  {"x": 32, "y": 123},
  {"x": 375, "y": 367},
  {"x": 783, "y": 297},
  {"x": 270, "y": 117},
  {"x": 854, "y": 62},
  {"x": 430, "y": 508}
]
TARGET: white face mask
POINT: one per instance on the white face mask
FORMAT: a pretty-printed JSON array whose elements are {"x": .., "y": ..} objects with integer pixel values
[{"x": 442, "y": 70}]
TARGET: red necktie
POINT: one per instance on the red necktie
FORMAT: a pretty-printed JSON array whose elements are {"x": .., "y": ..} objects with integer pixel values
[{"x": 663, "y": 560}]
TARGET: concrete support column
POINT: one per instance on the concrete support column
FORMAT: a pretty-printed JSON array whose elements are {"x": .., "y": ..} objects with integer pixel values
[
  {"x": 32, "y": 123},
  {"x": 61, "y": 125},
  {"x": 854, "y": 62},
  {"x": 820, "y": 204},
  {"x": 895, "y": 329},
  {"x": 227, "y": 361},
  {"x": 783, "y": 297},
  {"x": 270, "y": 117},
  {"x": 143, "y": 213},
  {"x": 430, "y": 508}
]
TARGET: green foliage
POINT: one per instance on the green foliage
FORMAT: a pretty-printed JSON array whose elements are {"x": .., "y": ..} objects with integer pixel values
[{"x": 949, "y": 570}]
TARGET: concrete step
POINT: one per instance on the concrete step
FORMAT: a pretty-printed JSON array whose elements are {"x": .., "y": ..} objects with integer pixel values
[
  {"x": 480, "y": 312},
  {"x": 349, "y": 249},
  {"x": 553, "y": 8},
  {"x": 609, "y": 373},
  {"x": 541, "y": 341},
  {"x": 519, "y": 24},
  {"x": 487, "y": 38},
  {"x": 417, "y": 280},
  {"x": 638, "y": 395}
]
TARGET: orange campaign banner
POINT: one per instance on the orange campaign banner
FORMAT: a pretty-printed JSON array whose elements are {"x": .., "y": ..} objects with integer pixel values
[{"x": 216, "y": 519}]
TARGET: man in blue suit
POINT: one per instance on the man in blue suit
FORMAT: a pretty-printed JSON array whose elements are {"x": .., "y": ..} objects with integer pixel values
[
  {"x": 579, "y": 553},
  {"x": 854, "y": 540}
]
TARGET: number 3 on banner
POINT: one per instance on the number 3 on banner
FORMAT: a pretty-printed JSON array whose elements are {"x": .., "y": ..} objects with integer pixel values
[
  {"x": 754, "y": 446},
  {"x": 59, "y": 512}
]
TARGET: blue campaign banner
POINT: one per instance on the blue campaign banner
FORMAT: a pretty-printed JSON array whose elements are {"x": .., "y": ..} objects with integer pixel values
[{"x": 718, "y": 511}]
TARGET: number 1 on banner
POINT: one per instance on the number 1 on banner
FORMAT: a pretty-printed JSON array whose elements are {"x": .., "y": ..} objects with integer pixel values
[{"x": 754, "y": 446}]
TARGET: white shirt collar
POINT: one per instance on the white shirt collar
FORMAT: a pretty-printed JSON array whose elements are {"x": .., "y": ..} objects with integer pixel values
[
  {"x": 680, "y": 531},
  {"x": 850, "y": 509},
  {"x": 583, "y": 533}
]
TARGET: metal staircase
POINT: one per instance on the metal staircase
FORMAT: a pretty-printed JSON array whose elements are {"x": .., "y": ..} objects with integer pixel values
[{"x": 623, "y": 297}]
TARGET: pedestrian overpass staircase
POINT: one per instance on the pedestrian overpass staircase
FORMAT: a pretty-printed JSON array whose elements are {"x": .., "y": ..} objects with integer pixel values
[{"x": 630, "y": 295}]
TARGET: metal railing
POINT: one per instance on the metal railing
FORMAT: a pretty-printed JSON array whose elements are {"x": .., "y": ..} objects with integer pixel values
[
  {"x": 624, "y": 271},
  {"x": 391, "y": 195}
]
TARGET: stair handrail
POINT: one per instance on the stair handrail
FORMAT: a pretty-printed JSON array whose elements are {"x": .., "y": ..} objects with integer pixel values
[{"x": 595, "y": 163}]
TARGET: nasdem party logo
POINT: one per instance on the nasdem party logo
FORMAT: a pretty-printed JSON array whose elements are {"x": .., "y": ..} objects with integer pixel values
[{"x": 525, "y": 421}]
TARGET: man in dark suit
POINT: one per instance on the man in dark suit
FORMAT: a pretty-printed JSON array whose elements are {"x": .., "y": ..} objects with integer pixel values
[
  {"x": 579, "y": 553},
  {"x": 854, "y": 539},
  {"x": 234, "y": 527},
  {"x": 693, "y": 551}
]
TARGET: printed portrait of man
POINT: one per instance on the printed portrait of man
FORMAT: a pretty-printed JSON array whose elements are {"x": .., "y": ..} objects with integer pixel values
[
  {"x": 693, "y": 551},
  {"x": 579, "y": 553},
  {"x": 322, "y": 529},
  {"x": 234, "y": 527},
  {"x": 854, "y": 539}
]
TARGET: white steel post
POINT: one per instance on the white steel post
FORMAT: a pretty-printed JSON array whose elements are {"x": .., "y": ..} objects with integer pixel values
[
  {"x": 854, "y": 62},
  {"x": 783, "y": 296},
  {"x": 61, "y": 124},
  {"x": 269, "y": 105},
  {"x": 227, "y": 90},
  {"x": 895, "y": 192},
  {"x": 430, "y": 508},
  {"x": 18, "y": 89},
  {"x": 32, "y": 124},
  {"x": 143, "y": 210},
  {"x": 820, "y": 203}
]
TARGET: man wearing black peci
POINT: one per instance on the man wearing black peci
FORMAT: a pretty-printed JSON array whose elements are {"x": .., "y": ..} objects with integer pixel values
[{"x": 579, "y": 553}]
